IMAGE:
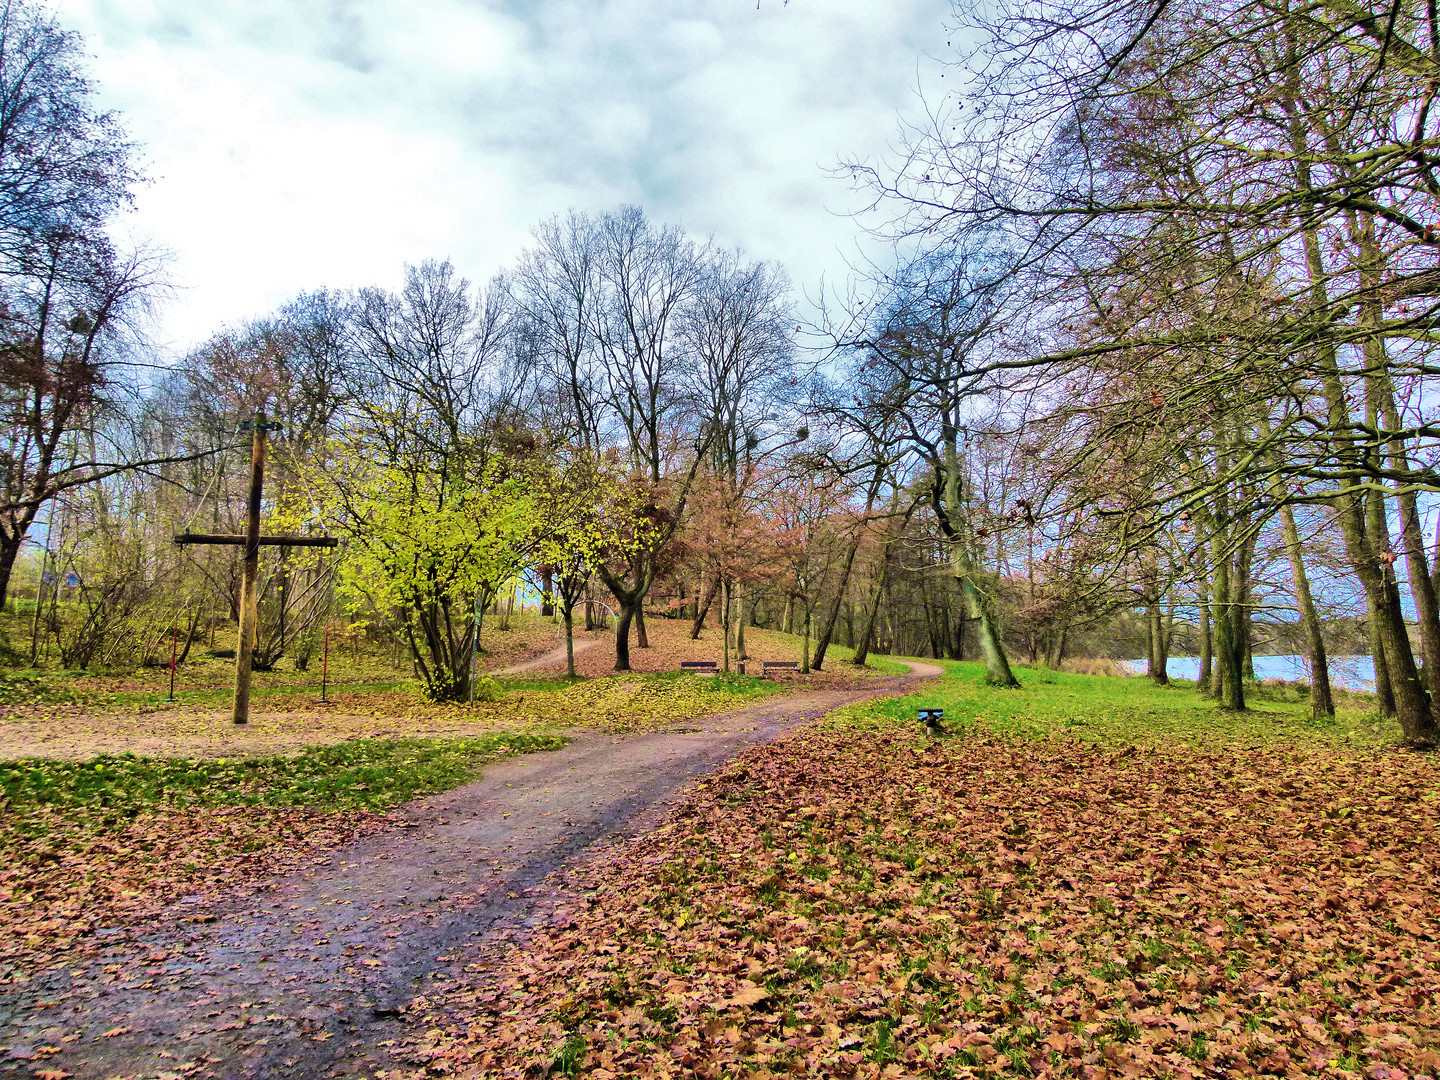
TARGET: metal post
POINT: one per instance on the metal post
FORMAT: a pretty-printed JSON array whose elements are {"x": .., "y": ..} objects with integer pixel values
[
  {"x": 249, "y": 600},
  {"x": 325, "y": 665},
  {"x": 174, "y": 649}
]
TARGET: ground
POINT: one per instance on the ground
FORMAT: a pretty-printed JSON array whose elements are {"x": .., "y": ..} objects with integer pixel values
[
  {"x": 1087, "y": 877},
  {"x": 83, "y": 713},
  {"x": 338, "y": 945}
]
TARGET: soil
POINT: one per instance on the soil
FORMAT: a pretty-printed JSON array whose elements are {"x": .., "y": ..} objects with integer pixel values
[
  {"x": 310, "y": 975},
  {"x": 553, "y": 657}
]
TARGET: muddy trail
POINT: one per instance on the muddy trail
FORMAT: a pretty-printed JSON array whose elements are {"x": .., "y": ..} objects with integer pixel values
[{"x": 309, "y": 975}]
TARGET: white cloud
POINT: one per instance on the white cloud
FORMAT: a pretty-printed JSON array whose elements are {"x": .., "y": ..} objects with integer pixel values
[{"x": 301, "y": 143}]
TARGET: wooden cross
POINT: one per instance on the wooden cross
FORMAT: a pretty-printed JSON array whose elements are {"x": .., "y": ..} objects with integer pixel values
[{"x": 252, "y": 542}]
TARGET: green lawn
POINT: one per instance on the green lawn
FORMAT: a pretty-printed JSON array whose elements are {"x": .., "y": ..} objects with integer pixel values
[{"x": 1106, "y": 709}]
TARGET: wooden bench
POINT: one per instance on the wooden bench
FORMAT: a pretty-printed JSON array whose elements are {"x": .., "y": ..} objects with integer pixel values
[
  {"x": 706, "y": 666},
  {"x": 778, "y": 665}
]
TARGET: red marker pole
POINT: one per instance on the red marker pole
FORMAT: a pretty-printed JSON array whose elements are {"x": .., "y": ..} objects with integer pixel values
[
  {"x": 325, "y": 665},
  {"x": 174, "y": 648}
]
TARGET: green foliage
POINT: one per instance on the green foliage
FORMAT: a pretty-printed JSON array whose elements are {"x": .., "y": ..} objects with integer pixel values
[
  {"x": 430, "y": 534},
  {"x": 1107, "y": 709},
  {"x": 372, "y": 774}
]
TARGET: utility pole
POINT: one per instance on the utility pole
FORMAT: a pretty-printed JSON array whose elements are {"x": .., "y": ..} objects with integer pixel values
[{"x": 250, "y": 579}]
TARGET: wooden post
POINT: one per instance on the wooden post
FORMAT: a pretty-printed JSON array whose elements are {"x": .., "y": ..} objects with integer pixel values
[
  {"x": 252, "y": 541},
  {"x": 249, "y": 598},
  {"x": 174, "y": 650}
]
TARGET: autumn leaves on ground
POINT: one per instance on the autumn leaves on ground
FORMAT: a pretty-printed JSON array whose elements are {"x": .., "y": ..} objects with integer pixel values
[
  {"x": 114, "y": 804},
  {"x": 1237, "y": 898},
  {"x": 1089, "y": 876}
]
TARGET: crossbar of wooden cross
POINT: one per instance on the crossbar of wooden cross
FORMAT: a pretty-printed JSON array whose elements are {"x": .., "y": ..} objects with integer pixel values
[{"x": 252, "y": 542}]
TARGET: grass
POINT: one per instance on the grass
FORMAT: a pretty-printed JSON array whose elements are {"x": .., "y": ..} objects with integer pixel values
[
  {"x": 1105, "y": 709},
  {"x": 367, "y": 774}
]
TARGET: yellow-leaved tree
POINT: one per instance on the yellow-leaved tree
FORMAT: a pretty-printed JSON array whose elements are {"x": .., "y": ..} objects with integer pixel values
[{"x": 430, "y": 547}]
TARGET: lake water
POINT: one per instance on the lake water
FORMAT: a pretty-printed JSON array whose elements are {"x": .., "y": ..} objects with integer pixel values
[{"x": 1346, "y": 672}]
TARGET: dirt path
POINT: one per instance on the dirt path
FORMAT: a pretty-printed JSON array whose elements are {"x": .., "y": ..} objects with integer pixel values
[
  {"x": 307, "y": 978},
  {"x": 554, "y": 656}
]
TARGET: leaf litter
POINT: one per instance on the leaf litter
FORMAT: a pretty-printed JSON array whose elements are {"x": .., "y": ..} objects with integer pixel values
[{"x": 857, "y": 903}]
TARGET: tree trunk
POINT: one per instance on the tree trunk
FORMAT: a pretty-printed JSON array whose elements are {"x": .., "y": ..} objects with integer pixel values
[
  {"x": 1228, "y": 685},
  {"x": 1055, "y": 649},
  {"x": 622, "y": 637},
  {"x": 1392, "y": 649},
  {"x": 827, "y": 629},
  {"x": 642, "y": 639},
  {"x": 1384, "y": 698},
  {"x": 787, "y": 623},
  {"x": 1245, "y": 614},
  {"x": 1422, "y": 589},
  {"x": 547, "y": 596},
  {"x": 1322, "y": 704},
  {"x": 805, "y": 645},
  {"x": 1157, "y": 661},
  {"x": 867, "y": 630},
  {"x": 1410, "y": 702},
  {"x": 1205, "y": 635},
  {"x": 742, "y": 614},
  {"x": 9, "y": 552},
  {"x": 702, "y": 608},
  {"x": 725, "y": 626},
  {"x": 570, "y": 640},
  {"x": 992, "y": 650}
]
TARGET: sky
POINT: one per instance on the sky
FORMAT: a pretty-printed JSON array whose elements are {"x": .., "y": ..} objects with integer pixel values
[{"x": 295, "y": 144}]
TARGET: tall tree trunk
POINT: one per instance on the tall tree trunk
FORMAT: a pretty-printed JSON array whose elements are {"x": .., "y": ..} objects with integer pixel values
[
  {"x": 827, "y": 628},
  {"x": 1206, "y": 659},
  {"x": 1409, "y": 700},
  {"x": 992, "y": 650},
  {"x": 725, "y": 626},
  {"x": 1244, "y": 634},
  {"x": 1228, "y": 684},
  {"x": 1392, "y": 647},
  {"x": 1322, "y": 704},
  {"x": 1384, "y": 696},
  {"x": 867, "y": 629},
  {"x": 805, "y": 645},
  {"x": 1055, "y": 649},
  {"x": 1412, "y": 704},
  {"x": 622, "y": 637},
  {"x": 702, "y": 607},
  {"x": 1422, "y": 589},
  {"x": 570, "y": 640},
  {"x": 948, "y": 498},
  {"x": 9, "y": 552},
  {"x": 743, "y": 615},
  {"x": 1156, "y": 660}
]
